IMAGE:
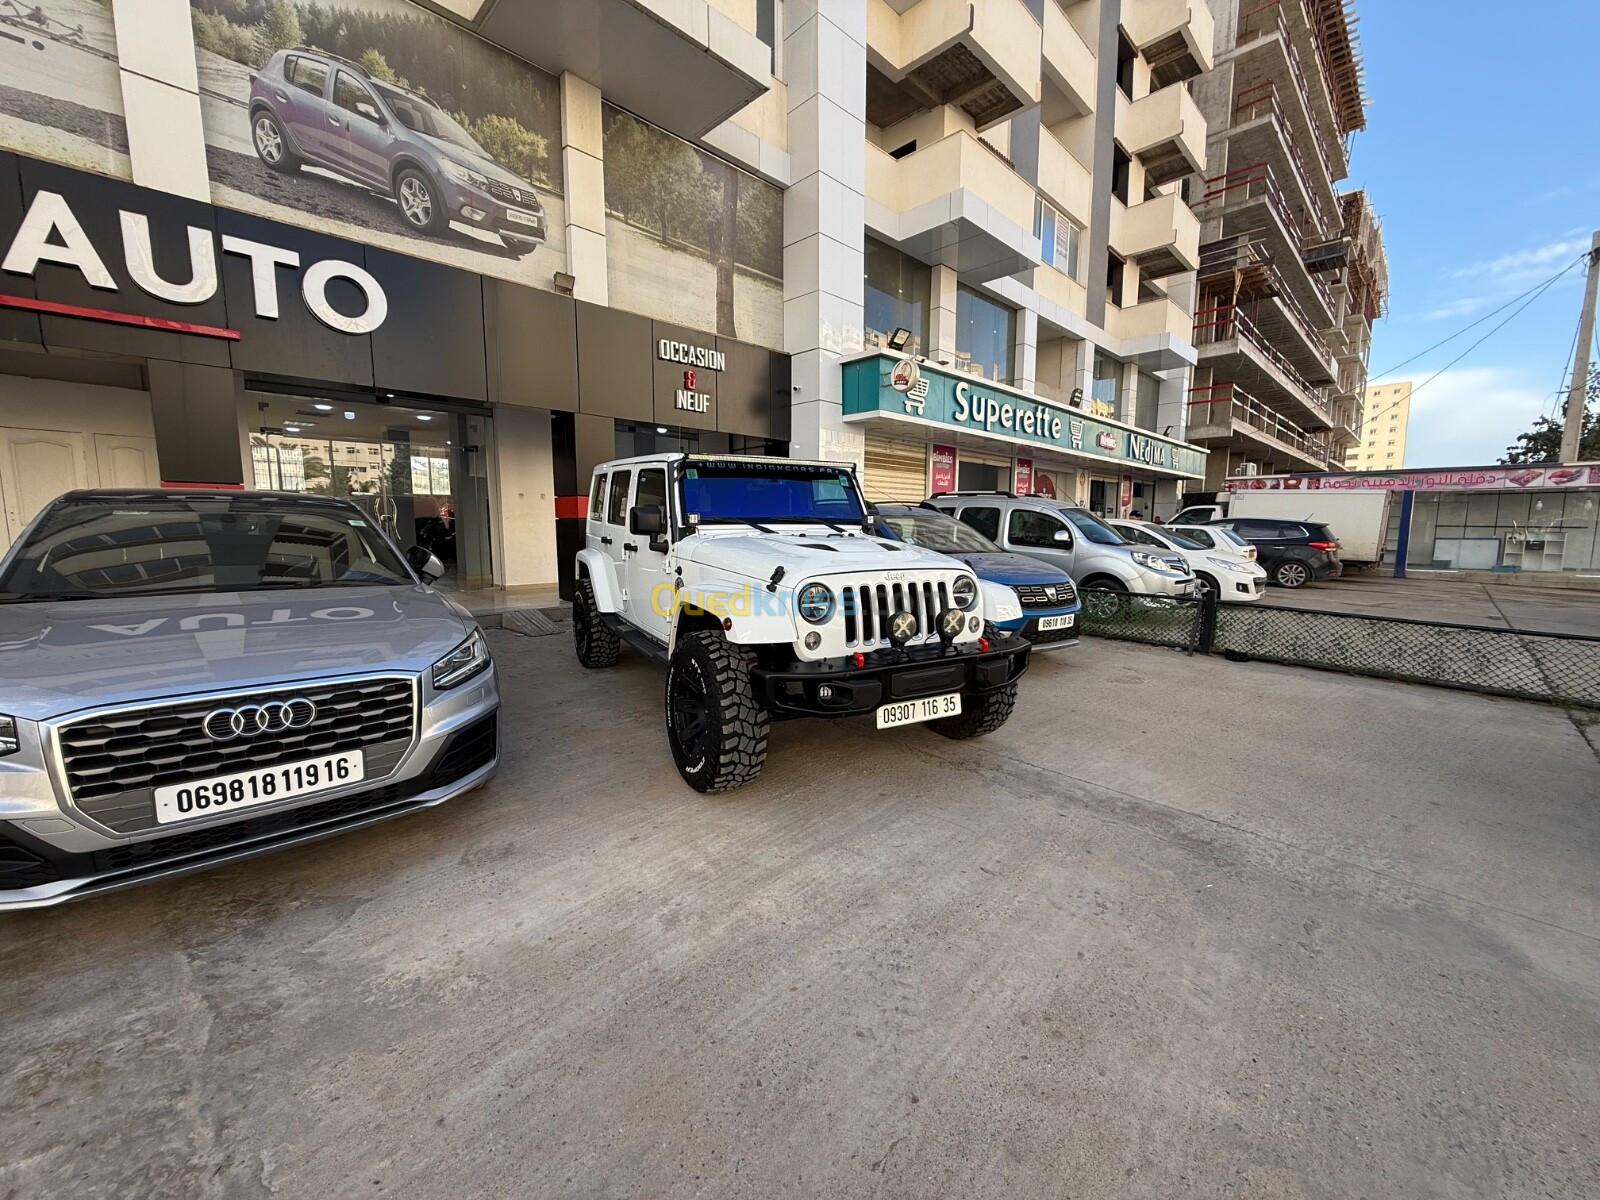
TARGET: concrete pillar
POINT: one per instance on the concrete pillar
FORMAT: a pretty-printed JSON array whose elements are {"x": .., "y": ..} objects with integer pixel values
[
  {"x": 1084, "y": 373},
  {"x": 1026, "y": 351},
  {"x": 583, "y": 174},
  {"x": 1172, "y": 406},
  {"x": 161, "y": 96},
  {"x": 525, "y": 517},
  {"x": 942, "y": 318},
  {"x": 824, "y": 217}
]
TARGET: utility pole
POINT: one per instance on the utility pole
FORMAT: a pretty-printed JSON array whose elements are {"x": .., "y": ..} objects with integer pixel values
[{"x": 1572, "y": 435}]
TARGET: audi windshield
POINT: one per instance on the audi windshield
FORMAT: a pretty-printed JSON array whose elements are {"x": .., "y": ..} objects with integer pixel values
[
  {"x": 100, "y": 548},
  {"x": 758, "y": 492}
]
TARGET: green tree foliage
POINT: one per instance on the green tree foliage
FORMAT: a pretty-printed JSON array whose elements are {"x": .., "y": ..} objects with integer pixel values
[
  {"x": 281, "y": 30},
  {"x": 1542, "y": 443},
  {"x": 219, "y": 35},
  {"x": 524, "y": 151},
  {"x": 374, "y": 64}
]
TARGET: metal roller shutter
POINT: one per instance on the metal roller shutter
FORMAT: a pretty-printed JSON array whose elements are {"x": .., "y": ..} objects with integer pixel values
[{"x": 895, "y": 470}]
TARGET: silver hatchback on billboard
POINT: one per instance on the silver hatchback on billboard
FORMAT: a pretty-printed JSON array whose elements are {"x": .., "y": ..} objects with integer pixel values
[{"x": 191, "y": 676}]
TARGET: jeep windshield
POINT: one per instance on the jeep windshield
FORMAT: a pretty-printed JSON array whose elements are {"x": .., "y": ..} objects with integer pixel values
[
  {"x": 758, "y": 492},
  {"x": 417, "y": 115},
  {"x": 103, "y": 547}
]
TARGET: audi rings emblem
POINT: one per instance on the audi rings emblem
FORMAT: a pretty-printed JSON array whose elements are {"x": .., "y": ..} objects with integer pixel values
[{"x": 251, "y": 720}]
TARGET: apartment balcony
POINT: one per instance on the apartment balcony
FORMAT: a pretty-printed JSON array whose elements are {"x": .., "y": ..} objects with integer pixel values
[
  {"x": 1275, "y": 42},
  {"x": 1153, "y": 333},
  {"x": 1160, "y": 234},
  {"x": 1265, "y": 129},
  {"x": 981, "y": 58},
  {"x": 1251, "y": 206},
  {"x": 1060, "y": 289},
  {"x": 1068, "y": 61},
  {"x": 639, "y": 52},
  {"x": 1175, "y": 37},
  {"x": 1227, "y": 416},
  {"x": 954, "y": 203},
  {"x": 1065, "y": 181},
  {"x": 1165, "y": 131},
  {"x": 1235, "y": 347}
]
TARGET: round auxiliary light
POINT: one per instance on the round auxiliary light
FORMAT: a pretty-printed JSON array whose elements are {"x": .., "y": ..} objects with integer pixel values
[
  {"x": 951, "y": 622},
  {"x": 975, "y": 624},
  {"x": 815, "y": 603},
  {"x": 813, "y": 640},
  {"x": 902, "y": 628},
  {"x": 964, "y": 591}
]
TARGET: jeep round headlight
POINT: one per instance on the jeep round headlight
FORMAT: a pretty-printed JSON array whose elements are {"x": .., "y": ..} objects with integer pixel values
[
  {"x": 964, "y": 591},
  {"x": 815, "y": 603}
]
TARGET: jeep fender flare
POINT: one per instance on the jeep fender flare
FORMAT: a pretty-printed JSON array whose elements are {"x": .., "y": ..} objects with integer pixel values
[{"x": 600, "y": 571}]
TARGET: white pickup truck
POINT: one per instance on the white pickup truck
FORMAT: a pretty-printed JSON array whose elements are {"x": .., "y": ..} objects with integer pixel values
[
  {"x": 759, "y": 582},
  {"x": 1359, "y": 519}
]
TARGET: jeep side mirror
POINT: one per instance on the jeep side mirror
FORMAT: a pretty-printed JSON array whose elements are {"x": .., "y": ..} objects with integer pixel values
[
  {"x": 1062, "y": 537},
  {"x": 425, "y": 563},
  {"x": 649, "y": 520}
]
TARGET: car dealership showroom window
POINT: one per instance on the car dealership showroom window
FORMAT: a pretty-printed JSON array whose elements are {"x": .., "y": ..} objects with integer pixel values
[{"x": 419, "y": 472}]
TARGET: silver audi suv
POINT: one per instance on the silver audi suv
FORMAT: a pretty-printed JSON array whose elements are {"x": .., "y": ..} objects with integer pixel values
[{"x": 191, "y": 676}]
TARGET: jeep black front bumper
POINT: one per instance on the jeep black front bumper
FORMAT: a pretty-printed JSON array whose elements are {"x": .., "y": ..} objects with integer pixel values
[{"x": 887, "y": 676}]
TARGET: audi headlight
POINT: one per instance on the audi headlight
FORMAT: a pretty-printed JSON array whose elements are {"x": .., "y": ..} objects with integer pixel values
[
  {"x": 8, "y": 736},
  {"x": 463, "y": 174},
  {"x": 815, "y": 603},
  {"x": 462, "y": 663},
  {"x": 964, "y": 591}
]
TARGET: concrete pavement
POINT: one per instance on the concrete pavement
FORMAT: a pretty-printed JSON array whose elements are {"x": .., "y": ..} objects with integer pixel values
[
  {"x": 1182, "y": 927},
  {"x": 1504, "y": 606}
]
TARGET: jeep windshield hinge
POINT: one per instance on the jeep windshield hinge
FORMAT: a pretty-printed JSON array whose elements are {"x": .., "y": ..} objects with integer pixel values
[{"x": 777, "y": 578}]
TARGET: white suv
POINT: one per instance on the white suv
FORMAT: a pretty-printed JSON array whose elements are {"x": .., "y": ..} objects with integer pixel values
[{"x": 759, "y": 583}]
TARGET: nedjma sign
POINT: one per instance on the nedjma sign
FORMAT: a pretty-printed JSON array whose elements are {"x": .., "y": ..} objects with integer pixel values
[
  {"x": 931, "y": 396},
  {"x": 51, "y": 233}
]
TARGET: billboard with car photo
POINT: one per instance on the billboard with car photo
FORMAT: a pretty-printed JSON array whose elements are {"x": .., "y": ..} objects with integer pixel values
[
  {"x": 380, "y": 121},
  {"x": 60, "y": 91}
]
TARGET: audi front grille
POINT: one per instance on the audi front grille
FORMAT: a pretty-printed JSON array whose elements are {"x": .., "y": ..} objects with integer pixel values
[{"x": 114, "y": 761}]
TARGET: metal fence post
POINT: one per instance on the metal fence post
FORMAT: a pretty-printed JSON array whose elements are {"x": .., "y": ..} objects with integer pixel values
[
  {"x": 1208, "y": 621},
  {"x": 1403, "y": 543}
]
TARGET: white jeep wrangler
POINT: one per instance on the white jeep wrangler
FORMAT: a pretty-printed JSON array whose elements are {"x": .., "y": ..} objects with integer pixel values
[{"x": 758, "y": 583}]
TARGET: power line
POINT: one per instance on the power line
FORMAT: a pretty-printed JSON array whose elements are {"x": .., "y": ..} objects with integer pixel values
[
  {"x": 1561, "y": 385},
  {"x": 1540, "y": 287},
  {"x": 1491, "y": 332}
]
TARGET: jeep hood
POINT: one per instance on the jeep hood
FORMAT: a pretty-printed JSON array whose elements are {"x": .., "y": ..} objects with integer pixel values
[
  {"x": 806, "y": 553},
  {"x": 58, "y": 656}
]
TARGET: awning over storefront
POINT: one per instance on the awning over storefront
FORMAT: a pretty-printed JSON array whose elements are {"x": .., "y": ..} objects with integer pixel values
[{"x": 894, "y": 391}]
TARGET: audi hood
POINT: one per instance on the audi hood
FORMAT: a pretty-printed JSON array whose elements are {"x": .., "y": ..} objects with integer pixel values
[{"x": 60, "y": 656}]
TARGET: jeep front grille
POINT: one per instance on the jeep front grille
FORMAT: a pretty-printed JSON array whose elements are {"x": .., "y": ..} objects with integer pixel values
[
  {"x": 1047, "y": 595},
  {"x": 867, "y": 610},
  {"x": 114, "y": 761}
]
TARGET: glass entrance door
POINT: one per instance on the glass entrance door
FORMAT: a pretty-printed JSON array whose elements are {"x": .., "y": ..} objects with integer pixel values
[{"x": 420, "y": 473}]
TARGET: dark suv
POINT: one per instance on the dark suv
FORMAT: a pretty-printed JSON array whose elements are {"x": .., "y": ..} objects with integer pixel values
[
  {"x": 308, "y": 106},
  {"x": 1293, "y": 553}
]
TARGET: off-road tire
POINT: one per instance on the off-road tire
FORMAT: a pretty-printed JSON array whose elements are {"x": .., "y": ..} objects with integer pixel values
[
  {"x": 980, "y": 714},
  {"x": 596, "y": 642},
  {"x": 730, "y": 748}
]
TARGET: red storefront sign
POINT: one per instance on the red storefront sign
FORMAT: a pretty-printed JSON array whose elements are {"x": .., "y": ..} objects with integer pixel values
[
  {"x": 1024, "y": 477},
  {"x": 944, "y": 469}
]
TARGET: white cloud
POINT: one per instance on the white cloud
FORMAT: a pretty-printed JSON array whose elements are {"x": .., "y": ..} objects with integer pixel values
[
  {"x": 1515, "y": 271},
  {"x": 1469, "y": 415},
  {"x": 1464, "y": 307}
]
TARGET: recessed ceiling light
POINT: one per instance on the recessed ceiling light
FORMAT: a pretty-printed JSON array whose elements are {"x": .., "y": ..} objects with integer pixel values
[
  {"x": 661, "y": 428},
  {"x": 424, "y": 417},
  {"x": 323, "y": 407},
  {"x": 348, "y": 415}
]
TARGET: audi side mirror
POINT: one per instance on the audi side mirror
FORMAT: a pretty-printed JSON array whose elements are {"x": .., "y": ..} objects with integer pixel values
[
  {"x": 425, "y": 563},
  {"x": 648, "y": 520}
]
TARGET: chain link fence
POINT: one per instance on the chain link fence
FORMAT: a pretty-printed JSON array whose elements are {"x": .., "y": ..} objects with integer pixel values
[{"x": 1553, "y": 667}]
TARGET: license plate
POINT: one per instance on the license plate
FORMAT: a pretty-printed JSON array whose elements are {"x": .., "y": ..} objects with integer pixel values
[
  {"x": 929, "y": 708},
  {"x": 226, "y": 793},
  {"x": 1046, "y": 624},
  {"x": 521, "y": 218}
]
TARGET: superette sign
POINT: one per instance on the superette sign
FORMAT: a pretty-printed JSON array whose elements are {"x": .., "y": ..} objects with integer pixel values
[{"x": 900, "y": 389}]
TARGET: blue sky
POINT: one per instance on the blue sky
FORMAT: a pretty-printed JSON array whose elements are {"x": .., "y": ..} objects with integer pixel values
[{"x": 1482, "y": 156}]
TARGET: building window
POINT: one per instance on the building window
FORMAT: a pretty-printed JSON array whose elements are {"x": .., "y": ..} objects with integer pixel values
[
  {"x": 1148, "y": 403},
  {"x": 897, "y": 295},
  {"x": 1125, "y": 56},
  {"x": 1114, "y": 278},
  {"x": 767, "y": 28},
  {"x": 1107, "y": 383},
  {"x": 1060, "y": 238},
  {"x": 1121, "y": 170},
  {"x": 986, "y": 334}
]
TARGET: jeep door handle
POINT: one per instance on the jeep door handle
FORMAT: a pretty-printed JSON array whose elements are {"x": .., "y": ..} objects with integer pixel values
[{"x": 605, "y": 541}]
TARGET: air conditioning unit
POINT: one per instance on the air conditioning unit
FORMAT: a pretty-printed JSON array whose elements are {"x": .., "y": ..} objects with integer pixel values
[{"x": 1248, "y": 468}]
